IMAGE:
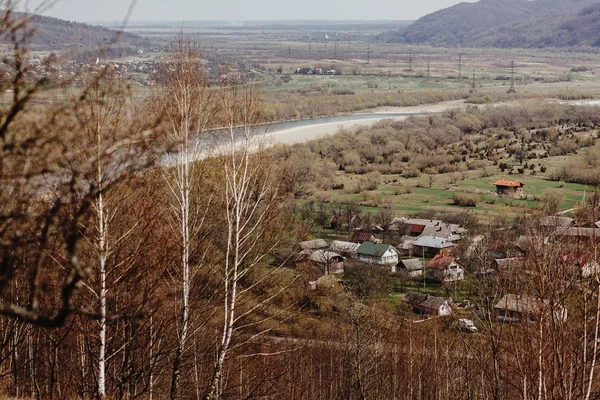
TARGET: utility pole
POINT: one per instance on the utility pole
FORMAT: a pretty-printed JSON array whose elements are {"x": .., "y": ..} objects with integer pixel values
[
  {"x": 473, "y": 83},
  {"x": 459, "y": 66},
  {"x": 368, "y": 53},
  {"x": 335, "y": 50},
  {"x": 309, "y": 45},
  {"x": 410, "y": 60},
  {"x": 512, "y": 78},
  {"x": 428, "y": 71}
]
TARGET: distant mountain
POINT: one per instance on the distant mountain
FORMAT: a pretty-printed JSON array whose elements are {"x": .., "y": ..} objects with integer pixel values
[
  {"x": 508, "y": 23},
  {"x": 75, "y": 39}
]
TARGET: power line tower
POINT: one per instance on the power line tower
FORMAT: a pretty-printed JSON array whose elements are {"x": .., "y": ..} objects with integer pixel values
[{"x": 512, "y": 78}]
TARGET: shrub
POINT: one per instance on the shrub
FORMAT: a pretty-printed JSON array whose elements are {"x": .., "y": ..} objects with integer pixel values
[
  {"x": 465, "y": 200},
  {"x": 410, "y": 172}
]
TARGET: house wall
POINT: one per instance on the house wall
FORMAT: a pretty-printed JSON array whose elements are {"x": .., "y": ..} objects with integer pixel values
[
  {"x": 410, "y": 274},
  {"x": 431, "y": 252},
  {"x": 389, "y": 258}
]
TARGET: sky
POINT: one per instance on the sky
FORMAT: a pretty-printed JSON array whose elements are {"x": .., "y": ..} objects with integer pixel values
[{"x": 240, "y": 10}]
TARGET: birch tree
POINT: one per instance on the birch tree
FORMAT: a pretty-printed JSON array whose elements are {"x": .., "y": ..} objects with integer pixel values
[
  {"x": 248, "y": 206},
  {"x": 188, "y": 109}
]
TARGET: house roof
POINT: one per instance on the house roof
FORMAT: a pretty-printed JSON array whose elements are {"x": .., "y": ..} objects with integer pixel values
[
  {"x": 411, "y": 264},
  {"x": 580, "y": 232},
  {"x": 424, "y": 300},
  {"x": 373, "y": 249},
  {"x": 508, "y": 263},
  {"x": 313, "y": 244},
  {"x": 431, "y": 227},
  {"x": 520, "y": 303},
  {"x": 554, "y": 220},
  {"x": 504, "y": 182},
  {"x": 343, "y": 247},
  {"x": 433, "y": 302},
  {"x": 344, "y": 218},
  {"x": 440, "y": 262},
  {"x": 323, "y": 256},
  {"x": 435, "y": 242},
  {"x": 417, "y": 228},
  {"x": 362, "y": 236}
]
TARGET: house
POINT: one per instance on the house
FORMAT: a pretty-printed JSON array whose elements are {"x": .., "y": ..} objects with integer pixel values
[
  {"x": 430, "y": 246},
  {"x": 317, "y": 244},
  {"x": 345, "y": 221},
  {"x": 328, "y": 261},
  {"x": 509, "y": 266},
  {"x": 377, "y": 253},
  {"x": 445, "y": 269},
  {"x": 521, "y": 308},
  {"x": 406, "y": 245},
  {"x": 360, "y": 236},
  {"x": 426, "y": 304},
  {"x": 410, "y": 268},
  {"x": 577, "y": 233},
  {"x": 509, "y": 188},
  {"x": 419, "y": 227},
  {"x": 347, "y": 249},
  {"x": 579, "y": 263}
]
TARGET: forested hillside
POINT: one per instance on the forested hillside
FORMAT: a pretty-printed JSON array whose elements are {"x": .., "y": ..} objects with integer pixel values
[
  {"x": 508, "y": 24},
  {"x": 75, "y": 38}
]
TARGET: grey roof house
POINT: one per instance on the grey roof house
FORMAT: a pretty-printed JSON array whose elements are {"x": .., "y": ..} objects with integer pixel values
[
  {"x": 433, "y": 245},
  {"x": 426, "y": 304},
  {"x": 410, "y": 268}
]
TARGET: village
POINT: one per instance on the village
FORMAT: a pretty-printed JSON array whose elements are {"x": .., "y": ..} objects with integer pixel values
[{"x": 431, "y": 257}]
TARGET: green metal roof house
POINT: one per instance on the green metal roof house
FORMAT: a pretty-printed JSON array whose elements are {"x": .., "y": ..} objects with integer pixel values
[{"x": 377, "y": 253}]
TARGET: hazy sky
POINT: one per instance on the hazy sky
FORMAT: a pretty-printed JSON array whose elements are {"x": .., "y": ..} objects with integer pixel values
[{"x": 235, "y": 10}]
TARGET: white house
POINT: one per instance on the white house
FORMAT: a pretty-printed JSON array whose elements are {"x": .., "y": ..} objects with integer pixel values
[
  {"x": 377, "y": 253},
  {"x": 445, "y": 269}
]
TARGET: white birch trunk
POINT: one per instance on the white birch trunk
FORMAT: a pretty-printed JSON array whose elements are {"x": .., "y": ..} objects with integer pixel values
[{"x": 103, "y": 292}]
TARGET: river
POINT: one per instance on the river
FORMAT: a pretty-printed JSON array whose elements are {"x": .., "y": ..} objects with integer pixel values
[{"x": 308, "y": 129}]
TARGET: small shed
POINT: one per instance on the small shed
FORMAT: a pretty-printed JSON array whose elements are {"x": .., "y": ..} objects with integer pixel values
[
  {"x": 509, "y": 266},
  {"x": 347, "y": 249},
  {"x": 317, "y": 244},
  {"x": 345, "y": 221},
  {"x": 360, "y": 236},
  {"x": 410, "y": 268},
  {"x": 330, "y": 262},
  {"x": 426, "y": 304},
  {"x": 522, "y": 308},
  {"x": 509, "y": 188}
]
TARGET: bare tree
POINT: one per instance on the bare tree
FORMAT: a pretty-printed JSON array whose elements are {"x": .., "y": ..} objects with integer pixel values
[
  {"x": 250, "y": 191},
  {"x": 188, "y": 111}
]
